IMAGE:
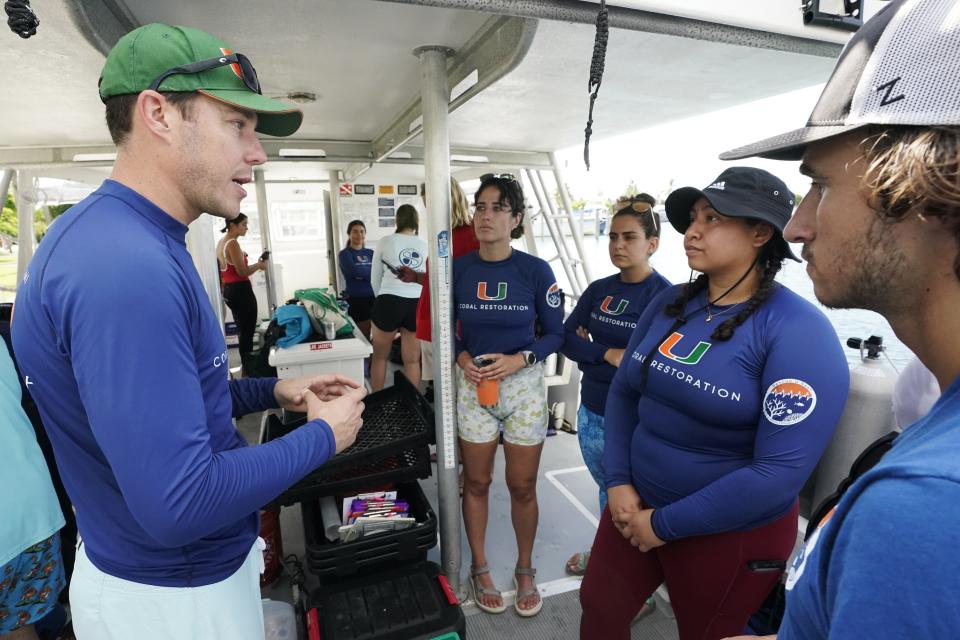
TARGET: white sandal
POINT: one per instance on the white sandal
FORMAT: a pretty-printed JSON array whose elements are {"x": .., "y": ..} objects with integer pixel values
[
  {"x": 479, "y": 590},
  {"x": 529, "y": 591}
]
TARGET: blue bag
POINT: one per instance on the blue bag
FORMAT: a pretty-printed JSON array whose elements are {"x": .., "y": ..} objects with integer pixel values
[{"x": 295, "y": 322}]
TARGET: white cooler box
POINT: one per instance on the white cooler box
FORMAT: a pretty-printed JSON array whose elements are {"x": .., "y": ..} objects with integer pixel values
[{"x": 344, "y": 355}]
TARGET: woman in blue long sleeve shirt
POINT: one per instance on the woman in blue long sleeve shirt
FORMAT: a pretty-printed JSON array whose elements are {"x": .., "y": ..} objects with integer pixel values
[
  {"x": 355, "y": 262},
  {"x": 599, "y": 328},
  {"x": 729, "y": 392},
  {"x": 500, "y": 296}
]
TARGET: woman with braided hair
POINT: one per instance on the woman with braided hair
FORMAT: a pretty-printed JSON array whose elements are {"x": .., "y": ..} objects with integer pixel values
[{"x": 729, "y": 391}]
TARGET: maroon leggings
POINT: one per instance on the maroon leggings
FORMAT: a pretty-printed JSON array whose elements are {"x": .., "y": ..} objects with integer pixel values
[{"x": 713, "y": 589}]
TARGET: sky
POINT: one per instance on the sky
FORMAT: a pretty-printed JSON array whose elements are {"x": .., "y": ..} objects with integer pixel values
[{"x": 685, "y": 151}]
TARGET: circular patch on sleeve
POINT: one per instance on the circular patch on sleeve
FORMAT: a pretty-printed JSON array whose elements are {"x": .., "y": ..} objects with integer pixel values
[
  {"x": 788, "y": 401},
  {"x": 553, "y": 295}
]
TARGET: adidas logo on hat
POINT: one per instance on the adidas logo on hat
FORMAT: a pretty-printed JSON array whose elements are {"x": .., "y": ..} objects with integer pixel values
[{"x": 738, "y": 192}]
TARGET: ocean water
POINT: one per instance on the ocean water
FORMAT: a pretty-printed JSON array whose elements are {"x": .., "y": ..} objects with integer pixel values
[{"x": 671, "y": 261}]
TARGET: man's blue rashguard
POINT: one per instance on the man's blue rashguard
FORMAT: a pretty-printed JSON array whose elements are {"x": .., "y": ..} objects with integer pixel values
[
  {"x": 725, "y": 433},
  {"x": 121, "y": 351},
  {"x": 884, "y": 564},
  {"x": 609, "y": 309},
  {"x": 355, "y": 266},
  {"x": 498, "y": 304}
]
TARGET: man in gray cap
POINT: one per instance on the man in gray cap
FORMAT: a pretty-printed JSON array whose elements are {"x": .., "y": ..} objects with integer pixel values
[{"x": 880, "y": 229}]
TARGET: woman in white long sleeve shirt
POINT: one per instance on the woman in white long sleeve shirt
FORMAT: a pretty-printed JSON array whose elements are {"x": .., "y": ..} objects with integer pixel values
[{"x": 396, "y": 305}]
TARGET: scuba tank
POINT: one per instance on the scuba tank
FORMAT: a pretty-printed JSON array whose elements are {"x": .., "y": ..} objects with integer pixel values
[{"x": 867, "y": 416}]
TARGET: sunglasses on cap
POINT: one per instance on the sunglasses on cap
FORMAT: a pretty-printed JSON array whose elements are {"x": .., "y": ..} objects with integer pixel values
[
  {"x": 509, "y": 177},
  {"x": 247, "y": 73},
  {"x": 640, "y": 206}
]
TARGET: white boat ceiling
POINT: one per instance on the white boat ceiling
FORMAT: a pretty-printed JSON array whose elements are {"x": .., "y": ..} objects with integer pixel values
[
  {"x": 776, "y": 16},
  {"x": 356, "y": 57}
]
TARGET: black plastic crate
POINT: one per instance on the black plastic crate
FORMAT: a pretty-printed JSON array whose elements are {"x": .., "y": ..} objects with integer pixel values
[
  {"x": 335, "y": 560},
  {"x": 391, "y": 446},
  {"x": 397, "y": 417},
  {"x": 409, "y": 464},
  {"x": 406, "y": 603}
]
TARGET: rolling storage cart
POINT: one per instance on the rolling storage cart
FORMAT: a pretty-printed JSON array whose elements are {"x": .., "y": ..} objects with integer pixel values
[{"x": 379, "y": 587}]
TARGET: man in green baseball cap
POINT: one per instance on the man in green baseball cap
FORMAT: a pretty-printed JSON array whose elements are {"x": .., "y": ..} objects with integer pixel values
[
  {"x": 127, "y": 362},
  {"x": 163, "y": 58},
  {"x": 179, "y": 96}
]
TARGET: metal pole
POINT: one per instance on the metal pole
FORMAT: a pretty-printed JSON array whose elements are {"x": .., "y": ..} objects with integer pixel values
[
  {"x": 335, "y": 227},
  {"x": 263, "y": 212},
  {"x": 6, "y": 176},
  {"x": 435, "y": 96},
  {"x": 202, "y": 245},
  {"x": 574, "y": 225},
  {"x": 529, "y": 238},
  {"x": 26, "y": 202},
  {"x": 554, "y": 233},
  {"x": 558, "y": 238}
]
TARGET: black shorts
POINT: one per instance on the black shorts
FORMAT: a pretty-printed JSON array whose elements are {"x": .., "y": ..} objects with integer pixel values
[
  {"x": 392, "y": 312},
  {"x": 360, "y": 307}
]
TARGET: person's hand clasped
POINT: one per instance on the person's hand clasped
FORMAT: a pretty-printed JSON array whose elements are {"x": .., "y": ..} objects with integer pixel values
[
  {"x": 613, "y": 356},
  {"x": 470, "y": 370},
  {"x": 637, "y": 528},
  {"x": 289, "y": 393},
  {"x": 622, "y": 500},
  {"x": 343, "y": 413},
  {"x": 582, "y": 332},
  {"x": 502, "y": 366}
]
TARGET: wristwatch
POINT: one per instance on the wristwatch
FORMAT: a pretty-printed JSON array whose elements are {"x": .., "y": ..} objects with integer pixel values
[{"x": 529, "y": 358}]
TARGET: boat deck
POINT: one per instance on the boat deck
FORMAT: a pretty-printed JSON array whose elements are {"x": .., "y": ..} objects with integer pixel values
[{"x": 568, "y": 518}]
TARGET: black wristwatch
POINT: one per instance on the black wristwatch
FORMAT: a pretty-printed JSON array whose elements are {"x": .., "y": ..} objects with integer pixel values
[{"x": 529, "y": 358}]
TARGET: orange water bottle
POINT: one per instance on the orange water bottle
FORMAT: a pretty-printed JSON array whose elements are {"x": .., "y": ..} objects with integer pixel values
[{"x": 488, "y": 391}]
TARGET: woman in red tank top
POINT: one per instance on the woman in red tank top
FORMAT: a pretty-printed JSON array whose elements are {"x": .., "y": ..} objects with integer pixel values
[{"x": 237, "y": 290}]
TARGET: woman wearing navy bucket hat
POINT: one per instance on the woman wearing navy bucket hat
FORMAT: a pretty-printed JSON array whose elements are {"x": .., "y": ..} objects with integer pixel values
[{"x": 729, "y": 392}]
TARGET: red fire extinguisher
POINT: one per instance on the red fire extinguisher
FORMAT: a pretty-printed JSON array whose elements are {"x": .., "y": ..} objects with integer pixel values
[{"x": 270, "y": 532}]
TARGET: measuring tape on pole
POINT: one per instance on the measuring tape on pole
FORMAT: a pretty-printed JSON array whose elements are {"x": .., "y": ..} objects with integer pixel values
[{"x": 444, "y": 382}]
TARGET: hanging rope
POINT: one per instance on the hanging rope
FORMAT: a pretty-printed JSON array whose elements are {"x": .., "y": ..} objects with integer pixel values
[
  {"x": 20, "y": 18},
  {"x": 596, "y": 74}
]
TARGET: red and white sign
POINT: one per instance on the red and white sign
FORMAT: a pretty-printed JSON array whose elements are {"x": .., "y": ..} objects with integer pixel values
[
  {"x": 346, "y": 189},
  {"x": 320, "y": 346}
]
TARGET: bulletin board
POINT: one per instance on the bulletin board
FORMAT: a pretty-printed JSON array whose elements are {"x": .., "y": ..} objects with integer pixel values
[{"x": 376, "y": 205}]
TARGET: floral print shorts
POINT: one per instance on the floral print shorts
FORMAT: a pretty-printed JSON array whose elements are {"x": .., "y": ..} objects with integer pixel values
[
  {"x": 521, "y": 409},
  {"x": 30, "y": 584}
]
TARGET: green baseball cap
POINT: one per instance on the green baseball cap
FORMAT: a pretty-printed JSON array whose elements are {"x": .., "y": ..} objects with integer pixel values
[{"x": 145, "y": 54}]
